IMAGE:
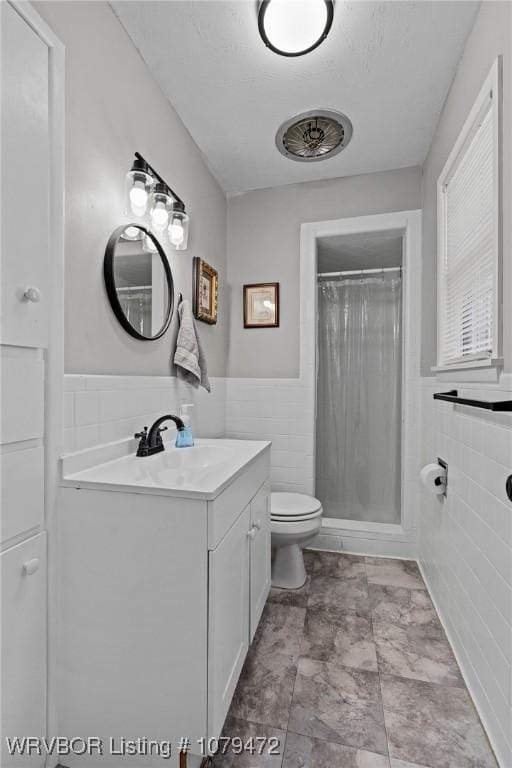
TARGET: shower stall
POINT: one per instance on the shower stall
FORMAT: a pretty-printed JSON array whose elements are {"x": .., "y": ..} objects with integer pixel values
[{"x": 359, "y": 388}]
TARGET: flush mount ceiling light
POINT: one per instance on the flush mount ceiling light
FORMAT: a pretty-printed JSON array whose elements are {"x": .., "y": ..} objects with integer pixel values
[
  {"x": 315, "y": 135},
  {"x": 294, "y": 27},
  {"x": 149, "y": 197}
]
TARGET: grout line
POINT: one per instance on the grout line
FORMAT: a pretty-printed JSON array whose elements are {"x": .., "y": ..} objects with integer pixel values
[{"x": 377, "y": 660}]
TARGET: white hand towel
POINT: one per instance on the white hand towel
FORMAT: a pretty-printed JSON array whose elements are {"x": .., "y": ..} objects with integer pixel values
[{"x": 189, "y": 356}]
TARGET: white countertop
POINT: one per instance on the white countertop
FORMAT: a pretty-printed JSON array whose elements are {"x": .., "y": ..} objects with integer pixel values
[{"x": 200, "y": 472}]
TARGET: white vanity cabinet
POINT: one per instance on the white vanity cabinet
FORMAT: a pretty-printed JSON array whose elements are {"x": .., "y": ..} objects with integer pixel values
[
  {"x": 23, "y": 648},
  {"x": 160, "y": 597}
]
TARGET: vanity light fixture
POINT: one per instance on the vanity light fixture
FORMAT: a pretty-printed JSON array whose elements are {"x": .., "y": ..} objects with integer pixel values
[
  {"x": 159, "y": 208},
  {"x": 178, "y": 226},
  {"x": 148, "y": 196},
  {"x": 294, "y": 27},
  {"x": 137, "y": 189}
]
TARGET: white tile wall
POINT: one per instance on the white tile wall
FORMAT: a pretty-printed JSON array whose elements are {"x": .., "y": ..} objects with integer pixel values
[
  {"x": 277, "y": 410},
  {"x": 101, "y": 409},
  {"x": 465, "y": 548}
]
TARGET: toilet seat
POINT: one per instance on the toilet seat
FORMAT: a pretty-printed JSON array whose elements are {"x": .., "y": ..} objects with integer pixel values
[{"x": 291, "y": 507}]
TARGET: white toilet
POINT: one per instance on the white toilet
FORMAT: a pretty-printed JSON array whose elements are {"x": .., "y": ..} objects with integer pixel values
[{"x": 295, "y": 519}]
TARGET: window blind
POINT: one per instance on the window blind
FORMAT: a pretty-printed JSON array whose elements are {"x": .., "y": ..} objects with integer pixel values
[{"x": 469, "y": 246}]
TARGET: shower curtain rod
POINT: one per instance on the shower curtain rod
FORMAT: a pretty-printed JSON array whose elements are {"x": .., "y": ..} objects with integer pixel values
[{"x": 348, "y": 272}]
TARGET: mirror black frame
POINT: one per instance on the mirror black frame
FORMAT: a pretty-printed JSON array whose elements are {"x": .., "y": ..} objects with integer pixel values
[{"x": 110, "y": 285}]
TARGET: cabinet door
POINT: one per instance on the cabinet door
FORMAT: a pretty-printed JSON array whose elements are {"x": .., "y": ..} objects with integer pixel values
[
  {"x": 23, "y": 641},
  {"x": 25, "y": 202},
  {"x": 228, "y": 635},
  {"x": 260, "y": 555}
]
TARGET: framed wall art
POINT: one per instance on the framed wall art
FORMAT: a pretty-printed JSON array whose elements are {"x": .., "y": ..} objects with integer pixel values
[
  {"x": 261, "y": 305},
  {"x": 205, "y": 292}
]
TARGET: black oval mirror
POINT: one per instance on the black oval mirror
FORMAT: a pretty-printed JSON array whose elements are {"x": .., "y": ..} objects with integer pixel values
[{"x": 139, "y": 282}]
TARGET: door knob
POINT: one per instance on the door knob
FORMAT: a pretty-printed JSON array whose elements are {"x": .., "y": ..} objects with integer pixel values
[
  {"x": 31, "y": 566},
  {"x": 32, "y": 294},
  {"x": 252, "y": 533}
]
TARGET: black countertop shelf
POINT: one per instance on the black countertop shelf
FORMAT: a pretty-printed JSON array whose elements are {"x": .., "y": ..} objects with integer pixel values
[{"x": 489, "y": 405}]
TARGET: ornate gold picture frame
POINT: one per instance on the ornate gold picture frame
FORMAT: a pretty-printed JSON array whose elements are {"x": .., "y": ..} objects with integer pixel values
[{"x": 205, "y": 293}]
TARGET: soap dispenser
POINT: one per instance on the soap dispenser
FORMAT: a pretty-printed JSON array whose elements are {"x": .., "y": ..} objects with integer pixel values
[{"x": 184, "y": 437}]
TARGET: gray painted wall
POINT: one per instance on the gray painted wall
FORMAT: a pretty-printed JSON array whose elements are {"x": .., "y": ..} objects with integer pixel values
[
  {"x": 491, "y": 35},
  {"x": 263, "y": 245},
  {"x": 114, "y": 107}
]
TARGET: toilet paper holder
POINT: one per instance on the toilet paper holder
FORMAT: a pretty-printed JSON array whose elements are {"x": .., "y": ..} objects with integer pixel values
[{"x": 444, "y": 465}]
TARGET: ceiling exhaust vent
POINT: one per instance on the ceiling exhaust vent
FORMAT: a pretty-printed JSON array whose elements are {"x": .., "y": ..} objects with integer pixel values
[{"x": 315, "y": 135}]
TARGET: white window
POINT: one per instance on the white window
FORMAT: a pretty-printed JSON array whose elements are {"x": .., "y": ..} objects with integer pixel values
[{"x": 468, "y": 237}]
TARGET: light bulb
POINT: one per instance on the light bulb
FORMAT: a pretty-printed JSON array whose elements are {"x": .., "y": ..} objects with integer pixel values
[
  {"x": 293, "y": 27},
  {"x": 159, "y": 217},
  {"x": 176, "y": 233},
  {"x": 132, "y": 233},
  {"x": 138, "y": 195}
]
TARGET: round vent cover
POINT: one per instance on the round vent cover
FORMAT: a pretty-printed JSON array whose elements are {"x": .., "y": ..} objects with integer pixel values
[{"x": 314, "y": 135}]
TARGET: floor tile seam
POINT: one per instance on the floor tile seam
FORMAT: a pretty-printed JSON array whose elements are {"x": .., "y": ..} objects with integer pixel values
[
  {"x": 337, "y": 743},
  {"x": 342, "y": 611},
  {"x": 434, "y": 635},
  {"x": 459, "y": 686},
  {"x": 396, "y": 586},
  {"x": 296, "y": 674},
  {"x": 386, "y": 730},
  {"x": 256, "y": 722}
]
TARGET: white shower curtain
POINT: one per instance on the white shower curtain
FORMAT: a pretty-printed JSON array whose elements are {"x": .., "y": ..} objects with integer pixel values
[{"x": 359, "y": 398}]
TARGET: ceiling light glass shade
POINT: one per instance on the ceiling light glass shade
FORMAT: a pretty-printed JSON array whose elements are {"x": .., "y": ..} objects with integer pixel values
[
  {"x": 160, "y": 206},
  {"x": 138, "y": 186},
  {"x": 294, "y": 27},
  {"x": 178, "y": 227}
]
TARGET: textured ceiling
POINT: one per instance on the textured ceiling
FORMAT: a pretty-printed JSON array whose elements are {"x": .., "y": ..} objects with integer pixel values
[
  {"x": 370, "y": 250},
  {"x": 387, "y": 65}
]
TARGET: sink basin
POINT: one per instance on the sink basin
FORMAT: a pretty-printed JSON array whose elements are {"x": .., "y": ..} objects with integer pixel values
[{"x": 202, "y": 471}]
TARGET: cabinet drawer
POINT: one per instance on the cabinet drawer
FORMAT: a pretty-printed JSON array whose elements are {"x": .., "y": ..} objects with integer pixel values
[
  {"x": 22, "y": 491},
  {"x": 22, "y": 403},
  {"x": 224, "y": 510},
  {"x": 23, "y": 643}
]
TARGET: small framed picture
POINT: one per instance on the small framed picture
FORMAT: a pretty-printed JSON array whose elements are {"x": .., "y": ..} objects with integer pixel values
[
  {"x": 261, "y": 305},
  {"x": 205, "y": 293}
]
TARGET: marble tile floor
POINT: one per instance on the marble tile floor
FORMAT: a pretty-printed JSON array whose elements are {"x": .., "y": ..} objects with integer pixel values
[{"x": 354, "y": 671}]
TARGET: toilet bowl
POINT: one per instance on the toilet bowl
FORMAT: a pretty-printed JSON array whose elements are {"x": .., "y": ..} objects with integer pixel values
[{"x": 295, "y": 519}]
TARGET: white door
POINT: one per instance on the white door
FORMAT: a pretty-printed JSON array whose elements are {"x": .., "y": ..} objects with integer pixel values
[
  {"x": 23, "y": 656},
  {"x": 260, "y": 555},
  {"x": 25, "y": 183},
  {"x": 228, "y": 620}
]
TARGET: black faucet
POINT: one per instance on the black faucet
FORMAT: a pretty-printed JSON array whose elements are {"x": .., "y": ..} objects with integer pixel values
[{"x": 151, "y": 442}]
